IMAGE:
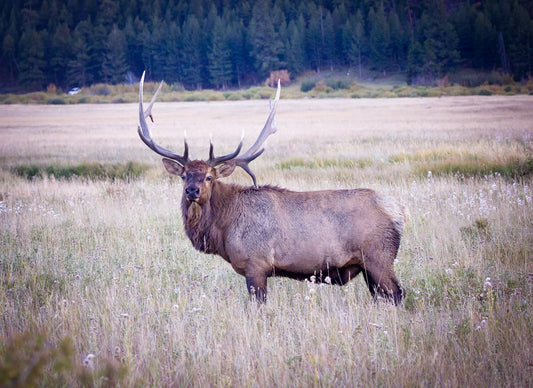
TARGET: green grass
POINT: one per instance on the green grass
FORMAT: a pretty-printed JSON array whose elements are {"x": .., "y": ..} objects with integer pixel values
[
  {"x": 478, "y": 167},
  {"x": 321, "y": 163},
  {"x": 95, "y": 170}
]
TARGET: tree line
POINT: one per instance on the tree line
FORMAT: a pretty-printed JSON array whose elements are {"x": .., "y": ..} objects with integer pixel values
[{"x": 231, "y": 43}]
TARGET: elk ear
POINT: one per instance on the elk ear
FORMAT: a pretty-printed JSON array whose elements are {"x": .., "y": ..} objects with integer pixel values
[
  {"x": 173, "y": 167},
  {"x": 225, "y": 170}
]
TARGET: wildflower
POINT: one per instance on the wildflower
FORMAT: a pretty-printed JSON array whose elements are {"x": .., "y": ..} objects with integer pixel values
[
  {"x": 88, "y": 360},
  {"x": 487, "y": 285},
  {"x": 482, "y": 324}
]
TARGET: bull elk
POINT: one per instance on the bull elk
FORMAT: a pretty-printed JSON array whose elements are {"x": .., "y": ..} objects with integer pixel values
[{"x": 265, "y": 231}]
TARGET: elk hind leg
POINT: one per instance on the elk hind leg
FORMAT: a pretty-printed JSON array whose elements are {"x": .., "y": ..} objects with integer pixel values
[
  {"x": 385, "y": 285},
  {"x": 257, "y": 288}
]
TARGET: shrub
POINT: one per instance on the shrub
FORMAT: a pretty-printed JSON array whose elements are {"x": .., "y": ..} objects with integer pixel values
[
  {"x": 282, "y": 75},
  {"x": 35, "y": 359},
  {"x": 51, "y": 89},
  {"x": 320, "y": 86},
  {"x": 56, "y": 101},
  {"x": 195, "y": 96},
  {"x": 28, "y": 171},
  {"x": 37, "y": 97},
  {"x": 338, "y": 83},
  {"x": 507, "y": 79},
  {"x": 215, "y": 96},
  {"x": 100, "y": 90},
  {"x": 307, "y": 86},
  {"x": 177, "y": 87},
  {"x": 232, "y": 96}
]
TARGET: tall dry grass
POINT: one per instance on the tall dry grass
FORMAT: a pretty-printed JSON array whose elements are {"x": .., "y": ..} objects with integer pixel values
[{"x": 100, "y": 286}]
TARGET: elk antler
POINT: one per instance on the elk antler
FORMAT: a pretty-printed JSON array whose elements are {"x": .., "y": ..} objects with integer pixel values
[
  {"x": 255, "y": 150},
  {"x": 242, "y": 161},
  {"x": 146, "y": 135}
]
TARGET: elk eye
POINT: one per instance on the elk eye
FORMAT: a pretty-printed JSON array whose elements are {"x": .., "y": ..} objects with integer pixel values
[
  {"x": 209, "y": 178},
  {"x": 183, "y": 176}
]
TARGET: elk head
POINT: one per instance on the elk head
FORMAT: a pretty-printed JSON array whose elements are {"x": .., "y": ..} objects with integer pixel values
[{"x": 199, "y": 175}]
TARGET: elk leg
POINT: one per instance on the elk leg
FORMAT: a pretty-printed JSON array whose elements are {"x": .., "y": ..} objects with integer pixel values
[
  {"x": 257, "y": 287},
  {"x": 349, "y": 273},
  {"x": 387, "y": 287}
]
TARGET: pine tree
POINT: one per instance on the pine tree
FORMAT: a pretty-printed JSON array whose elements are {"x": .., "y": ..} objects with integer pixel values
[
  {"x": 379, "y": 39},
  {"x": 295, "y": 50},
  {"x": 354, "y": 39},
  {"x": 219, "y": 55},
  {"x": 239, "y": 48},
  {"x": 438, "y": 36},
  {"x": 464, "y": 20},
  {"x": 32, "y": 61},
  {"x": 314, "y": 40},
  {"x": 415, "y": 63},
  {"x": 266, "y": 46},
  {"x": 115, "y": 65},
  {"x": 8, "y": 55},
  {"x": 328, "y": 40},
  {"x": 60, "y": 54},
  {"x": 520, "y": 41},
  {"x": 191, "y": 53},
  {"x": 485, "y": 43},
  {"x": 171, "y": 53},
  {"x": 398, "y": 42},
  {"x": 79, "y": 67}
]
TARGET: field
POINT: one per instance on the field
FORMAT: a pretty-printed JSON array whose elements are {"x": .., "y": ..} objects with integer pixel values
[{"x": 99, "y": 285}]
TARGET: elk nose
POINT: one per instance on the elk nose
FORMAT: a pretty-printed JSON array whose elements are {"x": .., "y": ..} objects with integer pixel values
[{"x": 192, "y": 192}]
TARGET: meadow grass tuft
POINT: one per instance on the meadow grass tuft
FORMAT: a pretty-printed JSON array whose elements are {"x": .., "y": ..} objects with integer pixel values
[
  {"x": 478, "y": 167},
  {"x": 321, "y": 163},
  {"x": 94, "y": 171}
]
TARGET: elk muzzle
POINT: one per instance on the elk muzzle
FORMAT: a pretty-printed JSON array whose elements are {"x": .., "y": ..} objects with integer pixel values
[{"x": 192, "y": 193}]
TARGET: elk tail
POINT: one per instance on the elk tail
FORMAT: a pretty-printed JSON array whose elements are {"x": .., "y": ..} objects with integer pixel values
[{"x": 398, "y": 213}]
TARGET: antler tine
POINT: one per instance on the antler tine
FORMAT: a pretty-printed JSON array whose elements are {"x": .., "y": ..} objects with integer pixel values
[
  {"x": 148, "y": 111},
  {"x": 258, "y": 147},
  {"x": 215, "y": 161},
  {"x": 270, "y": 128},
  {"x": 146, "y": 135},
  {"x": 255, "y": 150}
]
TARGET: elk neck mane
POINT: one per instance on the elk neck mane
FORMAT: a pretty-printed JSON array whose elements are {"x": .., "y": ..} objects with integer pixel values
[{"x": 204, "y": 224}]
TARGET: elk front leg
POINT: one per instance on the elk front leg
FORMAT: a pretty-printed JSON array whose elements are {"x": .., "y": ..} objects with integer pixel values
[{"x": 257, "y": 287}]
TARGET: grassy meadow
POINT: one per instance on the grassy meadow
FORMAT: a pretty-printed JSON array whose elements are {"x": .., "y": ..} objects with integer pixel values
[{"x": 99, "y": 285}]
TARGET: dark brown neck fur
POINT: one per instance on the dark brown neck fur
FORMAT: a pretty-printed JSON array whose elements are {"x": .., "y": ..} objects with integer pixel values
[{"x": 205, "y": 225}]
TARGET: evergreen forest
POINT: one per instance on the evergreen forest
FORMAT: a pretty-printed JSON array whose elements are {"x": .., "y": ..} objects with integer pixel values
[{"x": 225, "y": 44}]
